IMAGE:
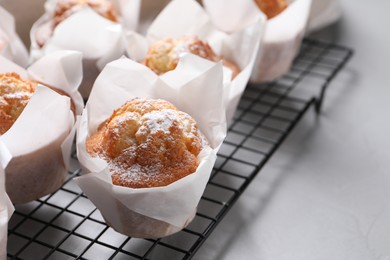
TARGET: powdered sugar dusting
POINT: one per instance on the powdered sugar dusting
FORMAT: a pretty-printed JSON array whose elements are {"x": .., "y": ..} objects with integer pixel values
[
  {"x": 159, "y": 121},
  {"x": 157, "y": 149},
  {"x": 18, "y": 95},
  {"x": 136, "y": 173},
  {"x": 15, "y": 93},
  {"x": 180, "y": 48},
  {"x": 189, "y": 44}
]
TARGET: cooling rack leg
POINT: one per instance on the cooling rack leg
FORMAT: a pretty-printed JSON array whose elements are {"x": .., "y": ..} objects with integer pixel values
[{"x": 320, "y": 99}]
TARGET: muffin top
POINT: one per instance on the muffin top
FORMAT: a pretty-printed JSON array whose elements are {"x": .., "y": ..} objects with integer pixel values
[
  {"x": 163, "y": 55},
  {"x": 15, "y": 93},
  {"x": 272, "y": 8},
  {"x": 147, "y": 143},
  {"x": 66, "y": 8}
]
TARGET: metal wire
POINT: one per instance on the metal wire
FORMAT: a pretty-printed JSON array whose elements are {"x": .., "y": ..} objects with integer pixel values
[{"x": 66, "y": 225}]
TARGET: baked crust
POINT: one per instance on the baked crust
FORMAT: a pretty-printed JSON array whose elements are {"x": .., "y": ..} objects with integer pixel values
[
  {"x": 66, "y": 8},
  {"x": 272, "y": 8},
  {"x": 147, "y": 143},
  {"x": 163, "y": 55},
  {"x": 15, "y": 93},
  {"x": 14, "y": 96}
]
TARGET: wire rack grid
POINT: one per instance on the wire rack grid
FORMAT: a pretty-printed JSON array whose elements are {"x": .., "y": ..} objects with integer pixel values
[{"x": 66, "y": 225}]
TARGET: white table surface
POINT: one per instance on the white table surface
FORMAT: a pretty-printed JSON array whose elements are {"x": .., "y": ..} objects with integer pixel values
[{"x": 325, "y": 195}]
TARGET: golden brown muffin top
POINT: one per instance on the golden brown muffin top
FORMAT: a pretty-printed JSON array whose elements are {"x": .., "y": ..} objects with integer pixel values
[
  {"x": 15, "y": 93},
  {"x": 163, "y": 55},
  {"x": 147, "y": 143},
  {"x": 66, "y": 8},
  {"x": 272, "y": 8}
]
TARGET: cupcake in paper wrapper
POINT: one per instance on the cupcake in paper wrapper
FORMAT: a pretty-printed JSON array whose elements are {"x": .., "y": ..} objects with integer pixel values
[
  {"x": 282, "y": 38},
  {"x": 40, "y": 139},
  {"x": 93, "y": 27},
  {"x": 187, "y": 18},
  {"x": 6, "y": 208},
  {"x": 11, "y": 46},
  {"x": 156, "y": 211}
]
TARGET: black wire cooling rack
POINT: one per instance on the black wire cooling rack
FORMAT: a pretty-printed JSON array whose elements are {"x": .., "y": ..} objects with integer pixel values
[{"x": 66, "y": 225}]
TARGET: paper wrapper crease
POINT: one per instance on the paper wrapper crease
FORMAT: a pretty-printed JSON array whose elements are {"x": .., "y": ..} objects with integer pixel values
[
  {"x": 6, "y": 207},
  {"x": 187, "y": 17},
  {"x": 161, "y": 211},
  {"x": 40, "y": 140},
  {"x": 11, "y": 46},
  {"x": 99, "y": 39}
]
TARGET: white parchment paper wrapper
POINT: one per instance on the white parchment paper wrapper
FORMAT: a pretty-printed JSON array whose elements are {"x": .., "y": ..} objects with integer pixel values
[
  {"x": 161, "y": 211},
  {"x": 99, "y": 39},
  {"x": 186, "y": 17},
  {"x": 11, "y": 46},
  {"x": 40, "y": 140},
  {"x": 6, "y": 207},
  {"x": 323, "y": 13},
  {"x": 282, "y": 38}
]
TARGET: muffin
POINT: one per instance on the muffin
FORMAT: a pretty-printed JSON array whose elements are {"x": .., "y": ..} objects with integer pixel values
[
  {"x": 163, "y": 55},
  {"x": 145, "y": 161},
  {"x": 271, "y": 8},
  {"x": 93, "y": 27},
  {"x": 66, "y": 8},
  {"x": 39, "y": 170},
  {"x": 282, "y": 40},
  {"x": 15, "y": 93},
  {"x": 14, "y": 96},
  {"x": 147, "y": 143}
]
